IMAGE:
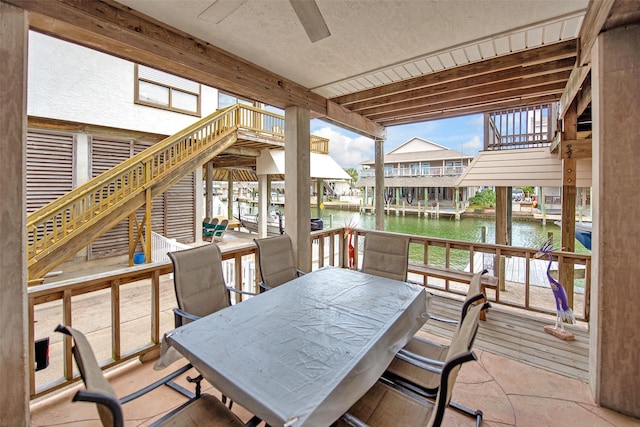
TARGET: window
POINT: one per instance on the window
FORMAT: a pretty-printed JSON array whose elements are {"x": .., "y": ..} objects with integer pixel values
[
  {"x": 388, "y": 170},
  {"x": 414, "y": 169},
  {"x": 225, "y": 100},
  {"x": 453, "y": 167},
  {"x": 163, "y": 90}
]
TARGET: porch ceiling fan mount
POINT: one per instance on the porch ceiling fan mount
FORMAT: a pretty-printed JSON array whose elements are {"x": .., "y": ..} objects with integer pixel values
[{"x": 307, "y": 12}]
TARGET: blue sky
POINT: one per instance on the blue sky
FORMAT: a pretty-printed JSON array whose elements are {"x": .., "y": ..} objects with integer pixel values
[{"x": 350, "y": 149}]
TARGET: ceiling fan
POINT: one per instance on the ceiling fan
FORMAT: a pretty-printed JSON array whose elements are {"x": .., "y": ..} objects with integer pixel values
[{"x": 307, "y": 10}]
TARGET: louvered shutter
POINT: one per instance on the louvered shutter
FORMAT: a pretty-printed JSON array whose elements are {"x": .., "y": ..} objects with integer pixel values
[
  {"x": 180, "y": 210},
  {"x": 49, "y": 167},
  {"x": 105, "y": 154}
]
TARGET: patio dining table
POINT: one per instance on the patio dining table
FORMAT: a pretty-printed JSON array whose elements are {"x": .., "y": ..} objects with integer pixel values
[{"x": 303, "y": 353}]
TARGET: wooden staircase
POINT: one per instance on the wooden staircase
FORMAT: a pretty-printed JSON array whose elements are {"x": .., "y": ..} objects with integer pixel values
[{"x": 61, "y": 228}]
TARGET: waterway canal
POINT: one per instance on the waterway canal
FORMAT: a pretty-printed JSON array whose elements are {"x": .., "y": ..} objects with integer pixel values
[{"x": 526, "y": 234}]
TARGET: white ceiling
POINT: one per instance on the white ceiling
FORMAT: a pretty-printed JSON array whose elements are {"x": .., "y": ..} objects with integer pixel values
[{"x": 372, "y": 42}]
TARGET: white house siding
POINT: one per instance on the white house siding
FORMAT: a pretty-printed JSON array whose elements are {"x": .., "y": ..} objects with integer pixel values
[
  {"x": 523, "y": 167},
  {"x": 73, "y": 83}
]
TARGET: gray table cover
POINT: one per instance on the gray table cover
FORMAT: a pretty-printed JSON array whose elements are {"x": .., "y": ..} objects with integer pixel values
[{"x": 303, "y": 353}]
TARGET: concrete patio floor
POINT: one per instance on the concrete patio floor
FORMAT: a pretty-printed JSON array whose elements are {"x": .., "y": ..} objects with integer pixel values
[{"x": 508, "y": 392}]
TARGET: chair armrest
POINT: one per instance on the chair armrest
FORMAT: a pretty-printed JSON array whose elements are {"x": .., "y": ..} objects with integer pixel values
[
  {"x": 353, "y": 421},
  {"x": 444, "y": 320},
  {"x": 264, "y": 286},
  {"x": 238, "y": 291},
  {"x": 104, "y": 399},
  {"x": 181, "y": 314},
  {"x": 155, "y": 385},
  {"x": 419, "y": 361}
]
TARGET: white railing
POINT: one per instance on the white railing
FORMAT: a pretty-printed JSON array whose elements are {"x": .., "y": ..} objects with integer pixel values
[
  {"x": 408, "y": 172},
  {"x": 160, "y": 245}
]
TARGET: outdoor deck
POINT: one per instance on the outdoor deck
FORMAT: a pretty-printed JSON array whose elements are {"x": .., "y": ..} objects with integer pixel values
[{"x": 523, "y": 377}]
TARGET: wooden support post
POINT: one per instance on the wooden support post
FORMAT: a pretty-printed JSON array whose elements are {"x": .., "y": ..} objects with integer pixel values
[
  {"x": 115, "y": 319},
  {"x": 501, "y": 216},
  {"x": 566, "y": 270},
  {"x": 296, "y": 185},
  {"x": 320, "y": 196},
  {"x": 379, "y": 189},
  {"x": 209, "y": 190},
  {"x": 147, "y": 226},
  {"x": 230, "y": 194},
  {"x": 132, "y": 240},
  {"x": 155, "y": 307}
]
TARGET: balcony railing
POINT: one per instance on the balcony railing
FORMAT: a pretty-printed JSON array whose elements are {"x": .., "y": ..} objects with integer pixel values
[
  {"x": 526, "y": 127},
  {"x": 408, "y": 172},
  {"x": 134, "y": 304}
]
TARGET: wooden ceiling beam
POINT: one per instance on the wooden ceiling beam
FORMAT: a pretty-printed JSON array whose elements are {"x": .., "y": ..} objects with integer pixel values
[
  {"x": 597, "y": 13},
  {"x": 574, "y": 85},
  {"x": 471, "y": 96},
  {"x": 556, "y": 51},
  {"x": 508, "y": 77},
  {"x": 242, "y": 152},
  {"x": 584, "y": 96},
  {"x": 120, "y": 31},
  {"x": 436, "y": 114},
  {"x": 603, "y": 15},
  {"x": 343, "y": 117}
]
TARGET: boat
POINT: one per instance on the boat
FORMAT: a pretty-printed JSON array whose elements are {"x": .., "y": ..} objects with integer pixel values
[
  {"x": 583, "y": 232},
  {"x": 275, "y": 226},
  {"x": 275, "y": 223}
]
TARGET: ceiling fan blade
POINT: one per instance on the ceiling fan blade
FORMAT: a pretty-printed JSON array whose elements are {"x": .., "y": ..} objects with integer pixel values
[
  {"x": 311, "y": 19},
  {"x": 220, "y": 9}
]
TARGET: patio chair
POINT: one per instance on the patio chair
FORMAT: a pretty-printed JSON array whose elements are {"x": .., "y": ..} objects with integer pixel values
[
  {"x": 221, "y": 228},
  {"x": 436, "y": 352},
  {"x": 201, "y": 410},
  {"x": 209, "y": 227},
  {"x": 386, "y": 255},
  {"x": 199, "y": 283},
  {"x": 474, "y": 294},
  {"x": 276, "y": 261},
  {"x": 390, "y": 402},
  {"x": 419, "y": 365}
]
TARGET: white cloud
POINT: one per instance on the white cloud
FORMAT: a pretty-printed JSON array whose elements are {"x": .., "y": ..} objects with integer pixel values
[
  {"x": 349, "y": 152},
  {"x": 473, "y": 145}
]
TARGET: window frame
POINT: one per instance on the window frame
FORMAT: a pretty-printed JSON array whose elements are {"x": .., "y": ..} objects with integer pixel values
[{"x": 171, "y": 89}]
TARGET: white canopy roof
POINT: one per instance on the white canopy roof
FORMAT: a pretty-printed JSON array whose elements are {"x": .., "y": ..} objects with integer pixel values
[
  {"x": 535, "y": 167},
  {"x": 271, "y": 162}
]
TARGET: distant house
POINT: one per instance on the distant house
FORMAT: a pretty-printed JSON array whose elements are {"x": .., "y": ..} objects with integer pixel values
[{"x": 418, "y": 171}]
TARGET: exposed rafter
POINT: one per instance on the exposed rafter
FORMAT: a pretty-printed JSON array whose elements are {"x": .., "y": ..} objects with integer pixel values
[{"x": 522, "y": 78}]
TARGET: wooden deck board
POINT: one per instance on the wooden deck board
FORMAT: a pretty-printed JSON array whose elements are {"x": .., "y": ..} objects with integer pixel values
[{"x": 519, "y": 336}]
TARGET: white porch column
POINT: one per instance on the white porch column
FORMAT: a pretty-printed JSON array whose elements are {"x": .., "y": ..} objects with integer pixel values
[
  {"x": 297, "y": 196},
  {"x": 199, "y": 204},
  {"x": 263, "y": 205},
  {"x": 16, "y": 343},
  {"x": 230, "y": 194},
  {"x": 209, "y": 191},
  {"x": 379, "y": 188}
]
